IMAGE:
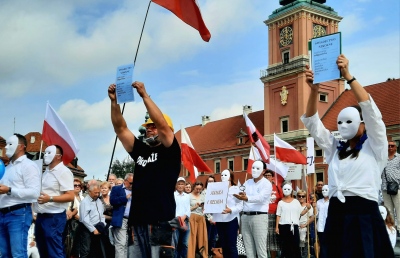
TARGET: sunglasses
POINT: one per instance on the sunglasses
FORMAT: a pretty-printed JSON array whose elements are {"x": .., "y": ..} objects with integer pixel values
[
  {"x": 77, "y": 185},
  {"x": 301, "y": 196},
  {"x": 391, "y": 146}
]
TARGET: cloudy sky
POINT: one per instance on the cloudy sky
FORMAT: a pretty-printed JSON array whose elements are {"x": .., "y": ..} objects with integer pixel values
[{"x": 67, "y": 52}]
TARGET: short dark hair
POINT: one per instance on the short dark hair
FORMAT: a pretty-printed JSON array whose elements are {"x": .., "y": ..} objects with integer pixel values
[
  {"x": 58, "y": 147},
  {"x": 211, "y": 176},
  {"x": 21, "y": 140},
  {"x": 269, "y": 171}
]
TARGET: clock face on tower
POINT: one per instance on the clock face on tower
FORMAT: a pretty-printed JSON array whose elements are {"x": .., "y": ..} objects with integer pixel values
[
  {"x": 286, "y": 36},
  {"x": 319, "y": 31}
]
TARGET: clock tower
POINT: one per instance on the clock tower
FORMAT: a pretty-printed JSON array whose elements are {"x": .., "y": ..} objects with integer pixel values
[{"x": 290, "y": 28}]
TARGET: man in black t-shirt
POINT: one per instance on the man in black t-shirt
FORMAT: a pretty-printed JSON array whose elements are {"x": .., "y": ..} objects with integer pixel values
[{"x": 157, "y": 163}]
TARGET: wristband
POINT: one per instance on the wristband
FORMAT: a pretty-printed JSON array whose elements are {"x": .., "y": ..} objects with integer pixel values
[{"x": 351, "y": 80}]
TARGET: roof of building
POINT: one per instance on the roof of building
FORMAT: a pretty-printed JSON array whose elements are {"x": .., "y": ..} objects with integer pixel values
[
  {"x": 220, "y": 135},
  {"x": 381, "y": 93}
]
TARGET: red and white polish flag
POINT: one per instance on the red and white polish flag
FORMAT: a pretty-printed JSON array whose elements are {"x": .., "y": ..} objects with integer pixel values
[
  {"x": 55, "y": 132},
  {"x": 190, "y": 159},
  {"x": 256, "y": 138},
  {"x": 287, "y": 153}
]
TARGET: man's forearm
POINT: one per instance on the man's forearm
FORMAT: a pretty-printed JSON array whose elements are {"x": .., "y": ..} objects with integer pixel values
[{"x": 117, "y": 119}]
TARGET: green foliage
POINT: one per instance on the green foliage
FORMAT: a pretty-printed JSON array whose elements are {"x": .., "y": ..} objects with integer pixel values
[{"x": 120, "y": 169}]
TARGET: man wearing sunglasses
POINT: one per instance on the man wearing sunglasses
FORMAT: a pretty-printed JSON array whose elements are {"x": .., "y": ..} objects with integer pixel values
[
  {"x": 157, "y": 163},
  {"x": 120, "y": 199},
  {"x": 391, "y": 173}
]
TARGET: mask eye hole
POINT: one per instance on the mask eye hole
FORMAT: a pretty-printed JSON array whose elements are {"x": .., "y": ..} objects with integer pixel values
[
  {"x": 340, "y": 122},
  {"x": 349, "y": 121}
]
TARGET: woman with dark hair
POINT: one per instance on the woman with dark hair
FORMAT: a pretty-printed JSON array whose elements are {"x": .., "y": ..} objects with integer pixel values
[
  {"x": 198, "y": 240},
  {"x": 227, "y": 222},
  {"x": 353, "y": 227}
]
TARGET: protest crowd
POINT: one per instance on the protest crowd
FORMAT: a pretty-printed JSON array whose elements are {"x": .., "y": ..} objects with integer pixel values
[{"x": 50, "y": 215}]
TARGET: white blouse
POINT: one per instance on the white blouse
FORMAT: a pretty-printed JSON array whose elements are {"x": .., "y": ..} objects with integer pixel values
[
  {"x": 233, "y": 203},
  {"x": 359, "y": 176},
  {"x": 289, "y": 212},
  {"x": 392, "y": 235}
]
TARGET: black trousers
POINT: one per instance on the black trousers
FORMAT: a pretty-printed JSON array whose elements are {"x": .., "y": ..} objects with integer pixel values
[
  {"x": 290, "y": 241},
  {"x": 91, "y": 245}
]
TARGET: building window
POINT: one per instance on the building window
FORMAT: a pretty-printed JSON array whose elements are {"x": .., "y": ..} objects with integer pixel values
[
  {"x": 217, "y": 166},
  {"x": 230, "y": 163},
  {"x": 240, "y": 141},
  {"x": 285, "y": 57},
  {"x": 320, "y": 176},
  {"x": 318, "y": 153},
  {"x": 323, "y": 97},
  {"x": 285, "y": 124},
  {"x": 32, "y": 139},
  {"x": 245, "y": 163}
]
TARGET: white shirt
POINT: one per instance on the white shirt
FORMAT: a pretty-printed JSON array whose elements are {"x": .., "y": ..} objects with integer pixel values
[
  {"x": 322, "y": 207},
  {"x": 91, "y": 212},
  {"x": 289, "y": 212},
  {"x": 233, "y": 203},
  {"x": 392, "y": 235},
  {"x": 55, "y": 182},
  {"x": 23, "y": 176},
  {"x": 128, "y": 203},
  {"x": 258, "y": 195},
  {"x": 182, "y": 204},
  {"x": 359, "y": 176},
  {"x": 304, "y": 219}
]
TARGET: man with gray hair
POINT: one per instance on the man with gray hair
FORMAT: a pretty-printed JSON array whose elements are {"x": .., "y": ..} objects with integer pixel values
[
  {"x": 111, "y": 179},
  {"x": 120, "y": 199},
  {"x": 92, "y": 221}
]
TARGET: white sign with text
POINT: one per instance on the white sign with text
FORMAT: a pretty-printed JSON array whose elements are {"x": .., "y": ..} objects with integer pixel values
[{"x": 216, "y": 196}]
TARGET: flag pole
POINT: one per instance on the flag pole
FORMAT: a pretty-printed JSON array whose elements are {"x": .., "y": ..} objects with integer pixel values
[{"x": 123, "y": 106}]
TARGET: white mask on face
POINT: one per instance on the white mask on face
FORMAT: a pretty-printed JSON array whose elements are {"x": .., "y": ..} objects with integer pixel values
[
  {"x": 49, "y": 154},
  {"x": 325, "y": 191},
  {"x": 383, "y": 212},
  {"x": 287, "y": 190},
  {"x": 257, "y": 169},
  {"x": 11, "y": 146},
  {"x": 225, "y": 175},
  {"x": 348, "y": 122}
]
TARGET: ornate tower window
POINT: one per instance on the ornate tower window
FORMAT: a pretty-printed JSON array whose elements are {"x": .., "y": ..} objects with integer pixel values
[
  {"x": 318, "y": 30},
  {"x": 286, "y": 36},
  {"x": 285, "y": 124}
]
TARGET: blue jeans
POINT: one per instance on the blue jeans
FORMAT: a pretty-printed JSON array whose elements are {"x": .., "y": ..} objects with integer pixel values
[
  {"x": 180, "y": 241},
  {"x": 227, "y": 233},
  {"x": 14, "y": 227},
  {"x": 49, "y": 234}
]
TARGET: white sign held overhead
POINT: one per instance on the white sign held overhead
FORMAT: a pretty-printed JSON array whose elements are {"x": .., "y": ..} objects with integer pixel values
[
  {"x": 310, "y": 156},
  {"x": 294, "y": 172}
]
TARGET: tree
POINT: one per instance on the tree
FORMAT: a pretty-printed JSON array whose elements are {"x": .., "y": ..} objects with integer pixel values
[{"x": 120, "y": 169}]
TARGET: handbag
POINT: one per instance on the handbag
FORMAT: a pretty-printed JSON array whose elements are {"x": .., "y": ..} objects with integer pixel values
[
  {"x": 217, "y": 252},
  {"x": 240, "y": 245},
  {"x": 391, "y": 187}
]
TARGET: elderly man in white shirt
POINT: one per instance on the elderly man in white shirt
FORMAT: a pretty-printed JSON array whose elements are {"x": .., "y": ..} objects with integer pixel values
[
  {"x": 181, "y": 236},
  {"x": 19, "y": 187},
  {"x": 92, "y": 221},
  {"x": 57, "y": 192},
  {"x": 255, "y": 211}
]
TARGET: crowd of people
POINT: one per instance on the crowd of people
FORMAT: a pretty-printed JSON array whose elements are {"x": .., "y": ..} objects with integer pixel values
[{"x": 53, "y": 214}]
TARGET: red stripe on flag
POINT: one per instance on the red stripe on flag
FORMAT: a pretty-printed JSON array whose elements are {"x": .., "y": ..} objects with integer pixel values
[
  {"x": 290, "y": 155},
  {"x": 189, "y": 12},
  {"x": 51, "y": 137}
]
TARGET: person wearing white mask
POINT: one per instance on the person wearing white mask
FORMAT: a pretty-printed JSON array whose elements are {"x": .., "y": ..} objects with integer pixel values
[
  {"x": 389, "y": 222},
  {"x": 354, "y": 172},
  {"x": 288, "y": 216},
  {"x": 254, "y": 220},
  {"x": 19, "y": 187},
  {"x": 322, "y": 207},
  {"x": 57, "y": 192},
  {"x": 227, "y": 221}
]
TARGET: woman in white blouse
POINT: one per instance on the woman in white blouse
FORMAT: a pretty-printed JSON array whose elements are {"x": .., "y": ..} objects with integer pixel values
[
  {"x": 304, "y": 221},
  {"x": 389, "y": 222},
  {"x": 353, "y": 227},
  {"x": 288, "y": 216},
  {"x": 227, "y": 222}
]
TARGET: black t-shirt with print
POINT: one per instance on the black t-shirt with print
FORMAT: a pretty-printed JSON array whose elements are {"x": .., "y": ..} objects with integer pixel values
[{"x": 156, "y": 171}]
